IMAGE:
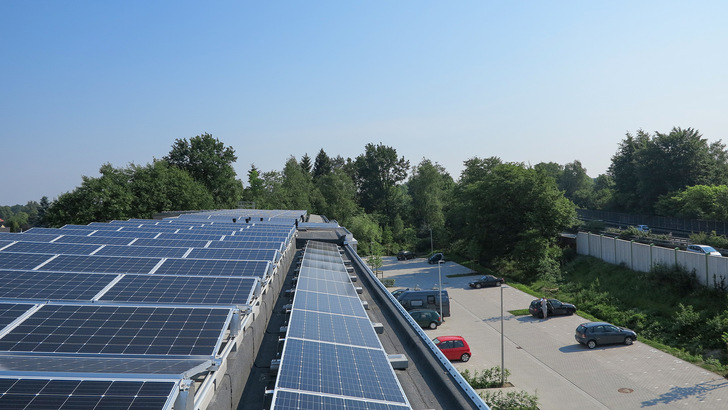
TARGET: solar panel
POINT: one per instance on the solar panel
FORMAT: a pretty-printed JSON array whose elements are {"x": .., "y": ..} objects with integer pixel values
[
  {"x": 325, "y": 286},
  {"x": 52, "y": 248},
  {"x": 213, "y": 267},
  {"x": 51, "y": 285},
  {"x": 322, "y": 302},
  {"x": 100, "y": 240},
  {"x": 64, "y": 366},
  {"x": 183, "y": 289},
  {"x": 126, "y": 234},
  {"x": 100, "y": 264},
  {"x": 124, "y": 330},
  {"x": 284, "y": 400},
  {"x": 334, "y": 328},
  {"x": 80, "y": 394},
  {"x": 246, "y": 245},
  {"x": 339, "y": 370},
  {"x": 174, "y": 243},
  {"x": 11, "y": 311},
  {"x": 236, "y": 254},
  {"x": 141, "y": 251},
  {"x": 21, "y": 261},
  {"x": 27, "y": 237}
]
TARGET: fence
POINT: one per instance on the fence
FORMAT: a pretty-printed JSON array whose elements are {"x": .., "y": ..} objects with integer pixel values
[
  {"x": 710, "y": 270},
  {"x": 659, "y": 224}
]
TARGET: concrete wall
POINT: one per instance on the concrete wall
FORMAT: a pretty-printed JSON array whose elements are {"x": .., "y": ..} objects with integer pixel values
[{"x": 641, "y": 257}]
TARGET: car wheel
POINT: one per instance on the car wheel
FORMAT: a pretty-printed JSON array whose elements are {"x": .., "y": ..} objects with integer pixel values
[
  {"x": 571, "y": 312},
  {"x": 465, "y": 357},
  {"x": 433, "y": 325},
  {"x": 628, "y": 341},
  {"x": 591, "y": 344},
  {"x": 477, "y": 286},
  {"x": 499, "y": 283}
]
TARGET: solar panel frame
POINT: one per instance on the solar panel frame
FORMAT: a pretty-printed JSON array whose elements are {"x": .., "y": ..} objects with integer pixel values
[
  {"x": 24, "y": 392},
  {"x": 43, "y": 286},
  {"x": 22, "y": 261},
  {"x": 52, "y": 248},
  {"x": 120, "y": 330},
  {"x": 213, "y": 267},
  {"x": 198, "y": 290},
  {"x": 100, "y": 264}
]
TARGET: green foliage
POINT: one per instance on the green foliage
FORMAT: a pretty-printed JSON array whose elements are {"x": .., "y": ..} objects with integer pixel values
[
  {"x": 209, "y": 162},
  {"x": 646, "y": 168},
  {"x": 593, "y": 226},
  {"x": 712, "y": 239},
  {"x": 487, "y": 378},
  {"x": 377, "y": 173},
  {"x": 510, "y": 400}
]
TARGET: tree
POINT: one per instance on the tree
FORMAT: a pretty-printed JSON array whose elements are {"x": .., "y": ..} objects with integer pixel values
[
  {"x": 296, "y": 186},
  {"x": 255, "y": 192},
  {"x": 322, "y": 165},
  {"x": 378, "y": 171},
  {"x": 338, "y": 194},
  {"x": 624, "y": 173},
  {"x": 576, "y": 184},
  {"x": 429, "y": 187},
  {"x": 306, "y": 164},
  {"x": 512, "y": 210},
  {"x": 210, "y": 163}
]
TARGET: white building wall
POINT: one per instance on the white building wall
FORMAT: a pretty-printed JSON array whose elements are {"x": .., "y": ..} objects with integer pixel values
[{"x": 709, "y": 270}]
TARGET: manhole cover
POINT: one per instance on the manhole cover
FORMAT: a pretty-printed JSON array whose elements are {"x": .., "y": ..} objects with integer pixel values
[{"x": 625, "y": 390}]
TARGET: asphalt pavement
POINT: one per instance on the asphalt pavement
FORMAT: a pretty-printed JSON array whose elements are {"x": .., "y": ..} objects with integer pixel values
[{"x": 544, "y": 359}]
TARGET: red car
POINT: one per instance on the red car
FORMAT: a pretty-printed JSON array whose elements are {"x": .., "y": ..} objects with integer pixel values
[{"x": 453, "y": 347}]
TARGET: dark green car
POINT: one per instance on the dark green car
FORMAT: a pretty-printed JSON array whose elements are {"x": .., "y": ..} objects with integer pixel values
[{"x": 426, "y": 318}]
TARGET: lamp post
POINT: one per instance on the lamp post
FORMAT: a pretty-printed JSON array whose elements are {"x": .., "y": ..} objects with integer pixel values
[
  {"x": 432, "y": 248},
  {"x": 439, "y": 275},
  {"x": 502, "y": 338}
]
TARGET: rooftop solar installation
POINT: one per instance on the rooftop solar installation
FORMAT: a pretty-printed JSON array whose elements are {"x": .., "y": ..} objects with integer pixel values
[
  {"x": 285, "y": 400},
  {"x": 11, "y": 311},
  {"x": 198, "y": 290},
  {"x": 90, "y": 228},
  {"x": 99, "y": 240},
  {"x": 332, "y": 355},
  {"x": 239, "y": 254},
  {"x": 213, "y": 267},
  {"x": 142, "y": 251},
  {"x": 21, "y": 261},
  {"x": 65, "y": 365},
  {"x": 125, "y": 234},
  {"x": 247, "y": 245},
  {"x": 51, "y": 285},
  {"x": 341, "y": 370},
  {"x": 337, "y": 304},
  {"x": 52, "y": 248},
  {"x": 182, "y": 243},
  {"x": 349, "y": 330},
  {"x": 28, "y": 237},
  {"x": 124, "y": 330},
  {"x": 98, "y": 264},
  {"x": 80, "y": 394}
]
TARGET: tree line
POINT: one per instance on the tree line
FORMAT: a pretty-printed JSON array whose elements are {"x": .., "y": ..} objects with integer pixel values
[{"x": 506, "y": 215}]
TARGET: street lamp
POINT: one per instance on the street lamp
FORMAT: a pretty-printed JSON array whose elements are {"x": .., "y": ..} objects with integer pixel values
[
  {"x": 432, "y": 248},
  {"x": 503, "y": 367},
  {"x": 439, "y": 275}
]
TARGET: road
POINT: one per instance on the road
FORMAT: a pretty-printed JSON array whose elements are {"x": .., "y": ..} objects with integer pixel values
[{"x": 545, "y": 360}]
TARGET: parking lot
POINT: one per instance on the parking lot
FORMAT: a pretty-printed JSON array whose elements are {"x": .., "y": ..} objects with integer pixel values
[{"x": 543, "y": 357}]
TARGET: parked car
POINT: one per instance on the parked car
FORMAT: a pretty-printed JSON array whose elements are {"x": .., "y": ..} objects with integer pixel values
[
  {"x": 592, "y": 334},
  {"x": 453, "y": 347},
  {"x": 425, "y": 299},
  {"x": 398, "y": 292},
  {"x": 404, "y": 255},
  {"x": 704, "y": 249},
  {"x": 555, "y": 307},
  {"x": 436, "y": 258},
  {"x": 486, "y": 281},
  {"x": 643, "y": 228},
  {"x": 426, "y": 318}
]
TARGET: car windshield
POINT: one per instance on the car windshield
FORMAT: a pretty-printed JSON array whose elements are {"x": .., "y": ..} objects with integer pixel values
[{"x": 709, "y": 249}]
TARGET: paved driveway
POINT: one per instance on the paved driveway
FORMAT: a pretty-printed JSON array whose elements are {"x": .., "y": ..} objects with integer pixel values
[{"x": 544, "y": 359}]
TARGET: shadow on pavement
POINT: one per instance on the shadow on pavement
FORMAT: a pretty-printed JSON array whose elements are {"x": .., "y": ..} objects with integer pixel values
[{"x": 700, "y": 391}]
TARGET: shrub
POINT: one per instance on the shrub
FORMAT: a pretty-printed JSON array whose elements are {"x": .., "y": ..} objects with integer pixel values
[
  {"x": 509, "y": 400},
  {"x": 487, "y": 379}
]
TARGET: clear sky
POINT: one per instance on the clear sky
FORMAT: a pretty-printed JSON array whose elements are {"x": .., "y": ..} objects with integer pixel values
[{"x": 83, "y": 83}]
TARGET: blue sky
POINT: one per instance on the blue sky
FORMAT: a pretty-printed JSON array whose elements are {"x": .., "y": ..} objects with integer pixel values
[{"x": 83, "y": 83}]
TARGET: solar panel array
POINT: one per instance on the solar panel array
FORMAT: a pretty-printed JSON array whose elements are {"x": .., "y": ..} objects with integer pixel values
[
  {"x": 332, "y": 357},
  {"x": 120, "y": 314}
]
